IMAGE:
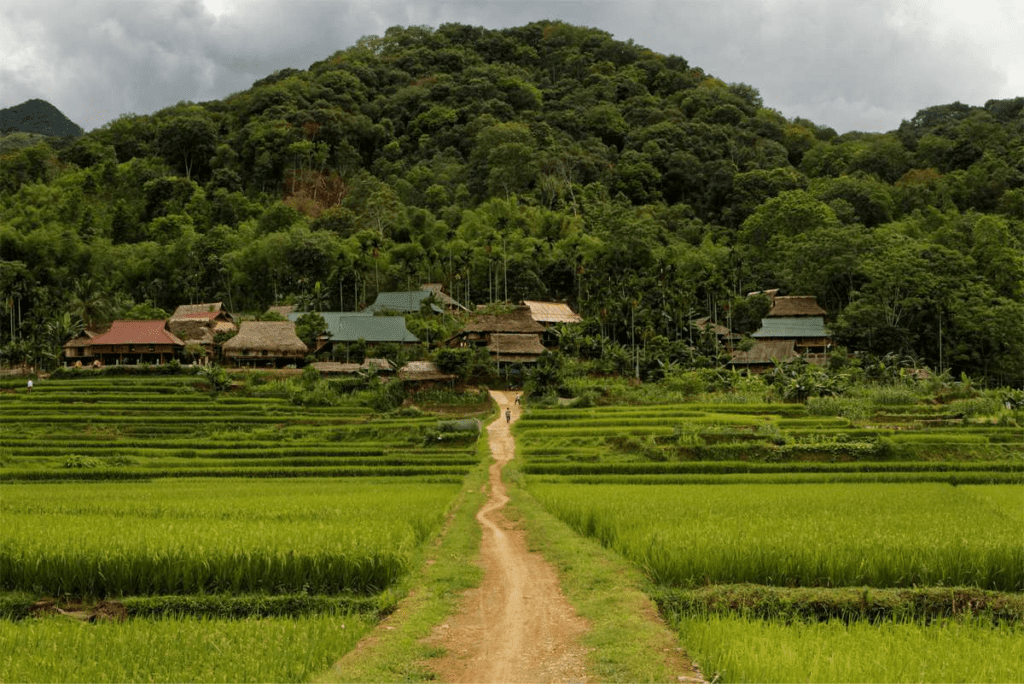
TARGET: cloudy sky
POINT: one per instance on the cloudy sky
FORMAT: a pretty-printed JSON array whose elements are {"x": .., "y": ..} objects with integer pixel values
[{"x": 849, "y": 64}]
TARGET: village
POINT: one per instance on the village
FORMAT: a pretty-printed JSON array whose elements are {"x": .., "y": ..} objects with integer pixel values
[{"x": 205, "y": 333}]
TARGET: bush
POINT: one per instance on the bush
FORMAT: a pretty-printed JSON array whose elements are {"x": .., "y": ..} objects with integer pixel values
[{"x": 386, "y": 397}]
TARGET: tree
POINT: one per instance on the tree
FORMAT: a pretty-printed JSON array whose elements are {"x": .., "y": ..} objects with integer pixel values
[
  {"x": 309, "y": 327},
  {"x": 188, "y": 138}
]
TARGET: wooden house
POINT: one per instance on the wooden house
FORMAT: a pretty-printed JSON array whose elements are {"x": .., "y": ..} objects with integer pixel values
[
  {"x": 136, "y": 342},
  {"x": 549, "y": 315},
  {"x": 509, "y": 337},
  {"x": 795, "y": 326},
  {"x": 265, "y": 343},
  {"x": 725, "y": 337},
  {"x": 347, "y": 327},
  {"x": 78, "y": 350},
  {"x": 200, "y": 323}
]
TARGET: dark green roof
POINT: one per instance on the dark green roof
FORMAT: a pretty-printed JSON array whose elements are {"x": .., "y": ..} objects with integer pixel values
[
  {"x": 403, "y": 302},
  {"x": 350, "y": 326},
  {"x": 795, "y": 327}
]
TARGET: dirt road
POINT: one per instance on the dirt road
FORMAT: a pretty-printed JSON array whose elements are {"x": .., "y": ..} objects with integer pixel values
[{"x": 518, "y": 626}]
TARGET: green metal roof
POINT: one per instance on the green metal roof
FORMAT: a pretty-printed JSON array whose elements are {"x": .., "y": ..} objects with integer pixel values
[
  {"x": 403, "y": 302},
  {"x": 352, "y": 326},
  {"x": 786, "y": 327}
]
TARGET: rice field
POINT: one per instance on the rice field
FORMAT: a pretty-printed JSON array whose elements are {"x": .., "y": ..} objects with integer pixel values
[
  {"x": 756, "y": 525},
  {"x": 740, "y": 649},
  {"x": 245, "y": 537},
  {"x": 823, "y": 535},
  {"x": 167, "y": 427},
  {"x": 206, "y": 536},
  {"x": 177, "y": 649}
]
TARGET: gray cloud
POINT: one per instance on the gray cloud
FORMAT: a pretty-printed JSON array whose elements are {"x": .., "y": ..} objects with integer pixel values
[{"x": 862, "y": 66}]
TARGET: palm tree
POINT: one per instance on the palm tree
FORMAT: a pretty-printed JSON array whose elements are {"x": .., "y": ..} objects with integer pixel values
[{"x": 90, "y": 303}]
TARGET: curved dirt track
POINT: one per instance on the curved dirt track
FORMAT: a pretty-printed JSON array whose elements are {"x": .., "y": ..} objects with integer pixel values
[{"x": 517, "y": 626}]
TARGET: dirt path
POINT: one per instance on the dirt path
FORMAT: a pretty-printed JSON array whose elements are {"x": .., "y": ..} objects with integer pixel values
[{"x": 517, "y": 626}]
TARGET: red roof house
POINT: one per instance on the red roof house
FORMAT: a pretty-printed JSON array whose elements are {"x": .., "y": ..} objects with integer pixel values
[{"x": 136, "y": 342}]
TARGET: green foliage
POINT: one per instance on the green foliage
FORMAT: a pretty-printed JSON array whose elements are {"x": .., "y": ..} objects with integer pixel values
[
  {"x": 216, "y": 377},
  {"x": 547, "y": 376},
  {"x": 542, "y": 162},
  {"x": 386, "y": 396},
  {"x": 146, "y": 311},
  {"x": 309, "y": 327}
]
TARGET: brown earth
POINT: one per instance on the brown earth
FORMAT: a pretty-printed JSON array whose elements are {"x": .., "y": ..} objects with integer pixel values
[{"x": 517, "y": 626}]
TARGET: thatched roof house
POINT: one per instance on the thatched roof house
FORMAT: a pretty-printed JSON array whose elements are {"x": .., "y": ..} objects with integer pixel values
[
  {"x": 438, "y": 290},
  {"x": 513, "y": 348},
  {"x": 200, "y": 322},
  {"x": 764, "y": 354},
  {"x": 513, "y": 334},
  {"x": 79, "y": 347},
  {"x": 724, "y": 335},
  {"x": 551, "y": 313},
  {"x": 269, "y": 342},
  {"x": 795, "y": 307},
  {"x": 481, "y": 326},
  {"x": 422, "y": 371},
  {"x": 282, "y": 310}
]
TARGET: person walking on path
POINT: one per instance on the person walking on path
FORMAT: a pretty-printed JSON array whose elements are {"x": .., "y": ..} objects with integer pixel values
[{"x": 508, "y": 414}]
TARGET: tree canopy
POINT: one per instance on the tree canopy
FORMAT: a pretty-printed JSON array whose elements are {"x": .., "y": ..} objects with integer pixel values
[{"x": 545, "y": 161}]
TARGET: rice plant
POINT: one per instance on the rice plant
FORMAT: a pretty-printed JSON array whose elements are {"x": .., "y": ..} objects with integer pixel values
[
  {"x": 830, "y": 535},
  {"x": 177, "y": 649},
  {"x": 204, "y": 536},
  {"x": 732, "y": 648}
]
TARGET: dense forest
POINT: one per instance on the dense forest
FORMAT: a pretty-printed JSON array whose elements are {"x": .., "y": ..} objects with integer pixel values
[{"x": 547, "y": 161}]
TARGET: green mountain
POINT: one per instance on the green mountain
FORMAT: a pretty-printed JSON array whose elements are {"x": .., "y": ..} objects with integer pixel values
[
  {"x": 542, "y": 162},
  {"x": 37, "y": 116}
]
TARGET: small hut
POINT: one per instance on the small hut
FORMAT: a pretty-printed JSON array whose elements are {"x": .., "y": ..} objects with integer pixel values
[
  {"x": 200, "y": 323},
  {"x": 265, "y": 343},
  {"x": 423, "y": 371},
  {"x": 381, "y": 366},
  {"x": 79, "y": 348}
]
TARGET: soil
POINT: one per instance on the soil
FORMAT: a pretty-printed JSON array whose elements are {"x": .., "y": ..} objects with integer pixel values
[
  {"x": 517, "y": 626},
  {"x": 102, "y": 611}
]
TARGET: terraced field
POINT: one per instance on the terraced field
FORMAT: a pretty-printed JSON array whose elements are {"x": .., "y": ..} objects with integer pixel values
[
  {"x": 133, "y": 428},
  {"x": 161, "y": 511},
  {"x": 781, "y": 543}
]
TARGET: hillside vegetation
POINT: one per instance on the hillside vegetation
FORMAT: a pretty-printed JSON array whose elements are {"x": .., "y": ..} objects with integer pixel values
[{"x": 546, "y": 161}]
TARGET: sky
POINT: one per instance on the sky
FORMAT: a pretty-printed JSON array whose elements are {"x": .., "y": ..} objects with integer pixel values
[{"x": 862, "y": 65}]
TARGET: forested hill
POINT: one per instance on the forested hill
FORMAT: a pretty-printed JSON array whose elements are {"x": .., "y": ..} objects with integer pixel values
[
  {"x": 37, "y": 116},
  {"x": 549, "y": 162}
]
